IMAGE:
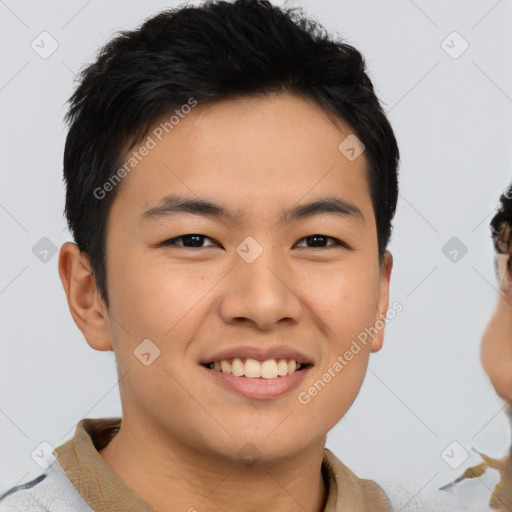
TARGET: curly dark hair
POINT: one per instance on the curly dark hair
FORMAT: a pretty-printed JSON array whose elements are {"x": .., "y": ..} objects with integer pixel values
[
  {"x": 501, "y": 224},
  {"x": 501, "y": 231}
]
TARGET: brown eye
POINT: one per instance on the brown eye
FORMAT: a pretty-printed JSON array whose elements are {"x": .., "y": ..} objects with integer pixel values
[
  {"x": 189, "y": 241},
  {"x": 320, "y": 241}
]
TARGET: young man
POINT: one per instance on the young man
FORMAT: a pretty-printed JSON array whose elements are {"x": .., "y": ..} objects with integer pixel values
[{"x": 231, "y": 182}]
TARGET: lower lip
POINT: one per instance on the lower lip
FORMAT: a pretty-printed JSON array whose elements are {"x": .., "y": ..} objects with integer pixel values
[{"x": 259, "y": 388}]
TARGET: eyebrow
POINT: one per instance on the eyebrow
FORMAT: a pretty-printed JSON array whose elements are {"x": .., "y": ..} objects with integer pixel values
[{"x": 172, "y": 205}]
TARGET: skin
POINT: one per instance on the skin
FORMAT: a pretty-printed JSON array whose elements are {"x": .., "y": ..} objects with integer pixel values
[
  {"x": 255, "y": 155},
  {"x": 496, "y": 344}
]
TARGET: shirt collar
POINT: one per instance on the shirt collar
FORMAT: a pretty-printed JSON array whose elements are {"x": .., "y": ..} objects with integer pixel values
[{"x": 104, "y": 491}]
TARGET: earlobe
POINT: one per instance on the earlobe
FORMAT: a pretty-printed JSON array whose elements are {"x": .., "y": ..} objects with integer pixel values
[
  {"x": 84, "y": 300},
  {"x": 378, "y": 339},
  {"x": 383, "y": 304}
]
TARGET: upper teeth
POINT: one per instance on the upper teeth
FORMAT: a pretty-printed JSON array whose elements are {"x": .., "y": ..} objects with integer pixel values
[{"x": 268, "y": 369}]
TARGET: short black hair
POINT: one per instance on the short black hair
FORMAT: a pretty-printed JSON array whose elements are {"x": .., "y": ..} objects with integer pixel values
[{"x": 214, "y": 51}]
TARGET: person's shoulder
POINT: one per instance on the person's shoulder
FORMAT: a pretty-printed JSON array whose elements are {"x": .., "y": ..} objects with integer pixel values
[
  {"x": 352, "y": 492},
  {"x": 20, "y": 498},
  {"x": 374, "y": 496},
  {"x": 51, "y": 491}
]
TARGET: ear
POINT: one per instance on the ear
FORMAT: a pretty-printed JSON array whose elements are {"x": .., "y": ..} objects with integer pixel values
[
  {"x": 383, "y": 303},
  {"x": 84, "y": 299}
]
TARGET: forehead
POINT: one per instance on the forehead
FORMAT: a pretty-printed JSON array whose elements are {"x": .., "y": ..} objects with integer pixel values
[{"x": 253, "y": 153}]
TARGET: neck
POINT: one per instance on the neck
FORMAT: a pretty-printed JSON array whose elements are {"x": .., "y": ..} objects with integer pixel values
[{"x": 157, "y": 470}]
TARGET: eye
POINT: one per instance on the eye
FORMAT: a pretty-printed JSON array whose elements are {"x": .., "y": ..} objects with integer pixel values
[
  {"x": 188, "y": 241},
  {"x": 320, "y": 241},
  {"x": 195, "y": 240}
]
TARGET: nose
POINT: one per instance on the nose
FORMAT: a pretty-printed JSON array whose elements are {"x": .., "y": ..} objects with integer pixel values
[{"x": 262, "y": 293}]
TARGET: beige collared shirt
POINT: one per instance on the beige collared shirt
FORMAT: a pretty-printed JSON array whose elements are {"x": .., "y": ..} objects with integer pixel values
[{"x": 100, "y": 487}]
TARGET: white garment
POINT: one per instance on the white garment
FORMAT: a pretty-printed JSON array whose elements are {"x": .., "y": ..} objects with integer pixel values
[{"x": 52, "y": 491}]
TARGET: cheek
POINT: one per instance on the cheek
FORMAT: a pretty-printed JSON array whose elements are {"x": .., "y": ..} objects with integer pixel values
[
  {"x": 344, "y": 300},
  {"x": 153, "y": 297},
  {"x": 346, "y": 310}
]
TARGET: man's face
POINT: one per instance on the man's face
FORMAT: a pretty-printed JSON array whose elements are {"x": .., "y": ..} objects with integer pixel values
[{"x": 249, "y": 285}]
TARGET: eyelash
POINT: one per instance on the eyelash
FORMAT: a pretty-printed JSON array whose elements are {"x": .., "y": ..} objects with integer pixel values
[{"x": 172, "y": 241}]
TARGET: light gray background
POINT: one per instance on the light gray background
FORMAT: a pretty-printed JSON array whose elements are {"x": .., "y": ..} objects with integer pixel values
[{"x": 452, "y": 118}]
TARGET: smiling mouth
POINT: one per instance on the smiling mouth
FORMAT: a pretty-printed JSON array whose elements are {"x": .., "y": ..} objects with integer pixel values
[{"x": 252, "y": 368}]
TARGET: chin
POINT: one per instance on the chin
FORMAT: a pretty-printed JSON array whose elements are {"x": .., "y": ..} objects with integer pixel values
[{"x": 256, "y": 445}]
